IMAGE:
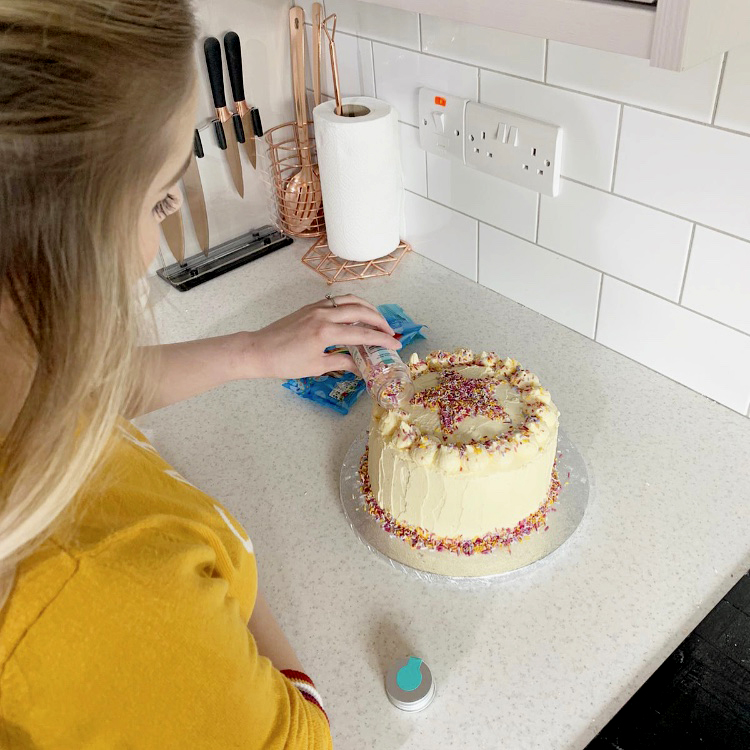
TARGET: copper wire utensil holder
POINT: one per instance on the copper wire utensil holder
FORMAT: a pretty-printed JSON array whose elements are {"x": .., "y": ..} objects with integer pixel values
[{"x": 284, "y": 155}]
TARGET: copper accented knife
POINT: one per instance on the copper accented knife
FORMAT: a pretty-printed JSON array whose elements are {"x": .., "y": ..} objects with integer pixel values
[
  {"x": 242, "y": 120},
  {"x": 174, "y": 235},
  {"x": 194, "y": 195},
  {"x": 225, "y": 132}
]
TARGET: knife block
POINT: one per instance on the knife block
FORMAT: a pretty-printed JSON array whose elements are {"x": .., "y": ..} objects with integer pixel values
[{"x": 200, "y": 268}]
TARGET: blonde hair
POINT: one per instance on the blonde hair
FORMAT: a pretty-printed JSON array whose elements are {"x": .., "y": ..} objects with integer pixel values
[{"x": 85, "y": 89}]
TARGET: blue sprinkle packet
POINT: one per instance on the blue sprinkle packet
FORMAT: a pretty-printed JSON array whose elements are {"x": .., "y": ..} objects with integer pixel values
[
  {"x": 406, "y": 329},
  {"x": 339, "y": 390}
]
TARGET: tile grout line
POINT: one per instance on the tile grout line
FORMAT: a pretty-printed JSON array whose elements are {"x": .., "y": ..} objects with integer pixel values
[
  {"x": 617, "y": 148},
  {"x": 546, "y": 57},
  {"x": 719, "y": 87},
  {"x": 622, "y": 354},
  {"x": 585, "y": 265},
  {"x": 687, "y": 265},
  {"x": 419, "y": 31},
  {"x": 641, "y": 107},
  {"x": 598, "y": 305},
  {"x": 653, "y": 208},
  {"x": 538, "y": 218},
  {"x": 648, "y": 367}
]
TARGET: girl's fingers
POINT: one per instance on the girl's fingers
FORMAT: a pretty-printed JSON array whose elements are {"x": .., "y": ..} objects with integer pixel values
[
  {"x": 352, "y": 299},
  {"x": 356, "y": 313},
  {"x": 343, "y": 300},
  {"x": 353, "y": 335},
  {"x": 339, "y": 362}
]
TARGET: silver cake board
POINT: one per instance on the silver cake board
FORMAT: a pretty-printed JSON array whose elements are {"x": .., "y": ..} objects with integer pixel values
[{"x": 478, "y": 569}]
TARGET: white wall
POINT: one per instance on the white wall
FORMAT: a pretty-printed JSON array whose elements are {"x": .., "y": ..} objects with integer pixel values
[{"x": 647, "y": 249}]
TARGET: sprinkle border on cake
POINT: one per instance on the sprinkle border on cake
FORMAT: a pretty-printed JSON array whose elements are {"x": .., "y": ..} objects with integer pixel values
[{"x": 419, "y": 538}]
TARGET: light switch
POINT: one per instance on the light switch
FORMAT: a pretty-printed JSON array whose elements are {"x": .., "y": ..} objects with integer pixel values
[{"x": 441, "y": 123}]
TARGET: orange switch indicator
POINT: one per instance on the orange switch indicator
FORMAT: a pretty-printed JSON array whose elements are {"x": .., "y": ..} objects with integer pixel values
[{"x": 440, "y": 101}]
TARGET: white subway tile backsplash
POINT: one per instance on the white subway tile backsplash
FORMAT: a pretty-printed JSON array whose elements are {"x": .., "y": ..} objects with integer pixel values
[
  {"x": 376, "y": 22},
  {"x": 691, "y": 170},
  {"x": 480, "y": 45},
  {"x": 734, "y": 101},
  {"x": 589, "y": 125},
  {"x": 490, "y": 199},
  {"x": 356, "y": 74},
  {"x": 399, "y": 74},
  {"x": 306, "y": 5},
  {"x": 703, "y": 355},
  {"x": 690, "y": 93},
  {"x": 442, "y": 235},
  {"x": 718, "y": 278},
  {"x": 553, "y": 286},
  {"x": 621, "y": 238},
  {"x": 413, "y": 162},
  {"x": 620, "y": 230}
]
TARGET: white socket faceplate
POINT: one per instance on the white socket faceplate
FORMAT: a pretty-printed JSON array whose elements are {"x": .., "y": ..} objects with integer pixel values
[{"x": 499, "y": 142}]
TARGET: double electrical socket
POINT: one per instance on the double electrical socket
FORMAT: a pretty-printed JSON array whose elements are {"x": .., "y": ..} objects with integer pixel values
[{"x": 497, "y": 141}]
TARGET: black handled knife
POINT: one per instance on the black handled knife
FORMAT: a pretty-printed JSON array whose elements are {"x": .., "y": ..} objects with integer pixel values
[
  {"x": 243, "y": 119},
  {"x": 225, "y": 131}
]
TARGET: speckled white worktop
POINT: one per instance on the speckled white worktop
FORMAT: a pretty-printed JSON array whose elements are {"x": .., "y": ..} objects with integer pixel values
[{"x": 543, "y": 660}]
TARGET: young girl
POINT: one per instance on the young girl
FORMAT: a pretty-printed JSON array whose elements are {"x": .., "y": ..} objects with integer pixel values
[{"x": 131, "y": 615}]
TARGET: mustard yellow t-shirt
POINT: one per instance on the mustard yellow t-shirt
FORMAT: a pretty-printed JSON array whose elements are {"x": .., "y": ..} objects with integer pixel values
[{"x": 132, "y": 633}]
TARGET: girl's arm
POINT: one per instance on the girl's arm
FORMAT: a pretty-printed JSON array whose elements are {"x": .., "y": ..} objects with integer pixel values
[
  {"x": 270, "y": 638},
  {"x": 289, "y": 348}
]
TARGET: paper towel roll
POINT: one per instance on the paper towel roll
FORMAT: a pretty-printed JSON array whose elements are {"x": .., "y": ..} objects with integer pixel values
[{"x": 360, "y": 177}]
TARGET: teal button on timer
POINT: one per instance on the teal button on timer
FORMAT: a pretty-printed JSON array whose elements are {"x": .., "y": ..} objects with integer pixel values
[{"x": 409, "y": 684}]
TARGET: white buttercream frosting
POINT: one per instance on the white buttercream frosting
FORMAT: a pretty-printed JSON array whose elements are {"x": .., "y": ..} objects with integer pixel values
[{"x": 437, "y": 465}]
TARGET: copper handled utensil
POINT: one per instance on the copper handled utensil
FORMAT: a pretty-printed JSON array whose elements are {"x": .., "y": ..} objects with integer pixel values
[
  {"x": 334, "y": 62},
  {"x": 302, "y": 201},
  {"x": 317, "y": 33}
]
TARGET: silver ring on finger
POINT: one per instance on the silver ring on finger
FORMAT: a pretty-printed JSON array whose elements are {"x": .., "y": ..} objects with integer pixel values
[{"x": 332, "y": 300}]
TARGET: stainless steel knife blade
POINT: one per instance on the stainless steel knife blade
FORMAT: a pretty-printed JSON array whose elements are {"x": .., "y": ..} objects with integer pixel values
[
  {"x": 233, "y": 154},
  {"x": 174, "y": 235},
  {"x": 196, "y": 203},
  {"x": 247, "y": 125}
]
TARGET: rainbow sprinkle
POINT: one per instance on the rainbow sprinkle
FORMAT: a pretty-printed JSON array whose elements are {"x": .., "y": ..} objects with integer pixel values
[
  {"x": 456, "y": 397},
  {"x": 420, "y": 538}
]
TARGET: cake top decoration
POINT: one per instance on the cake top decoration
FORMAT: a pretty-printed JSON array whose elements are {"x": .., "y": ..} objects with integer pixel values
[
  {"x": 456, "y": 397},
  {"x": 458, "y": 385}
]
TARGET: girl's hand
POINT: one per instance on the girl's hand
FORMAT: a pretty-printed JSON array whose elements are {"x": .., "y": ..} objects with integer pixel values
[{"x": 294, "y": 346}]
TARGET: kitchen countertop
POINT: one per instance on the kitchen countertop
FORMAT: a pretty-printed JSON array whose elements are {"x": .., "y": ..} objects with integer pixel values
[{"x": 542, "y": 660}]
